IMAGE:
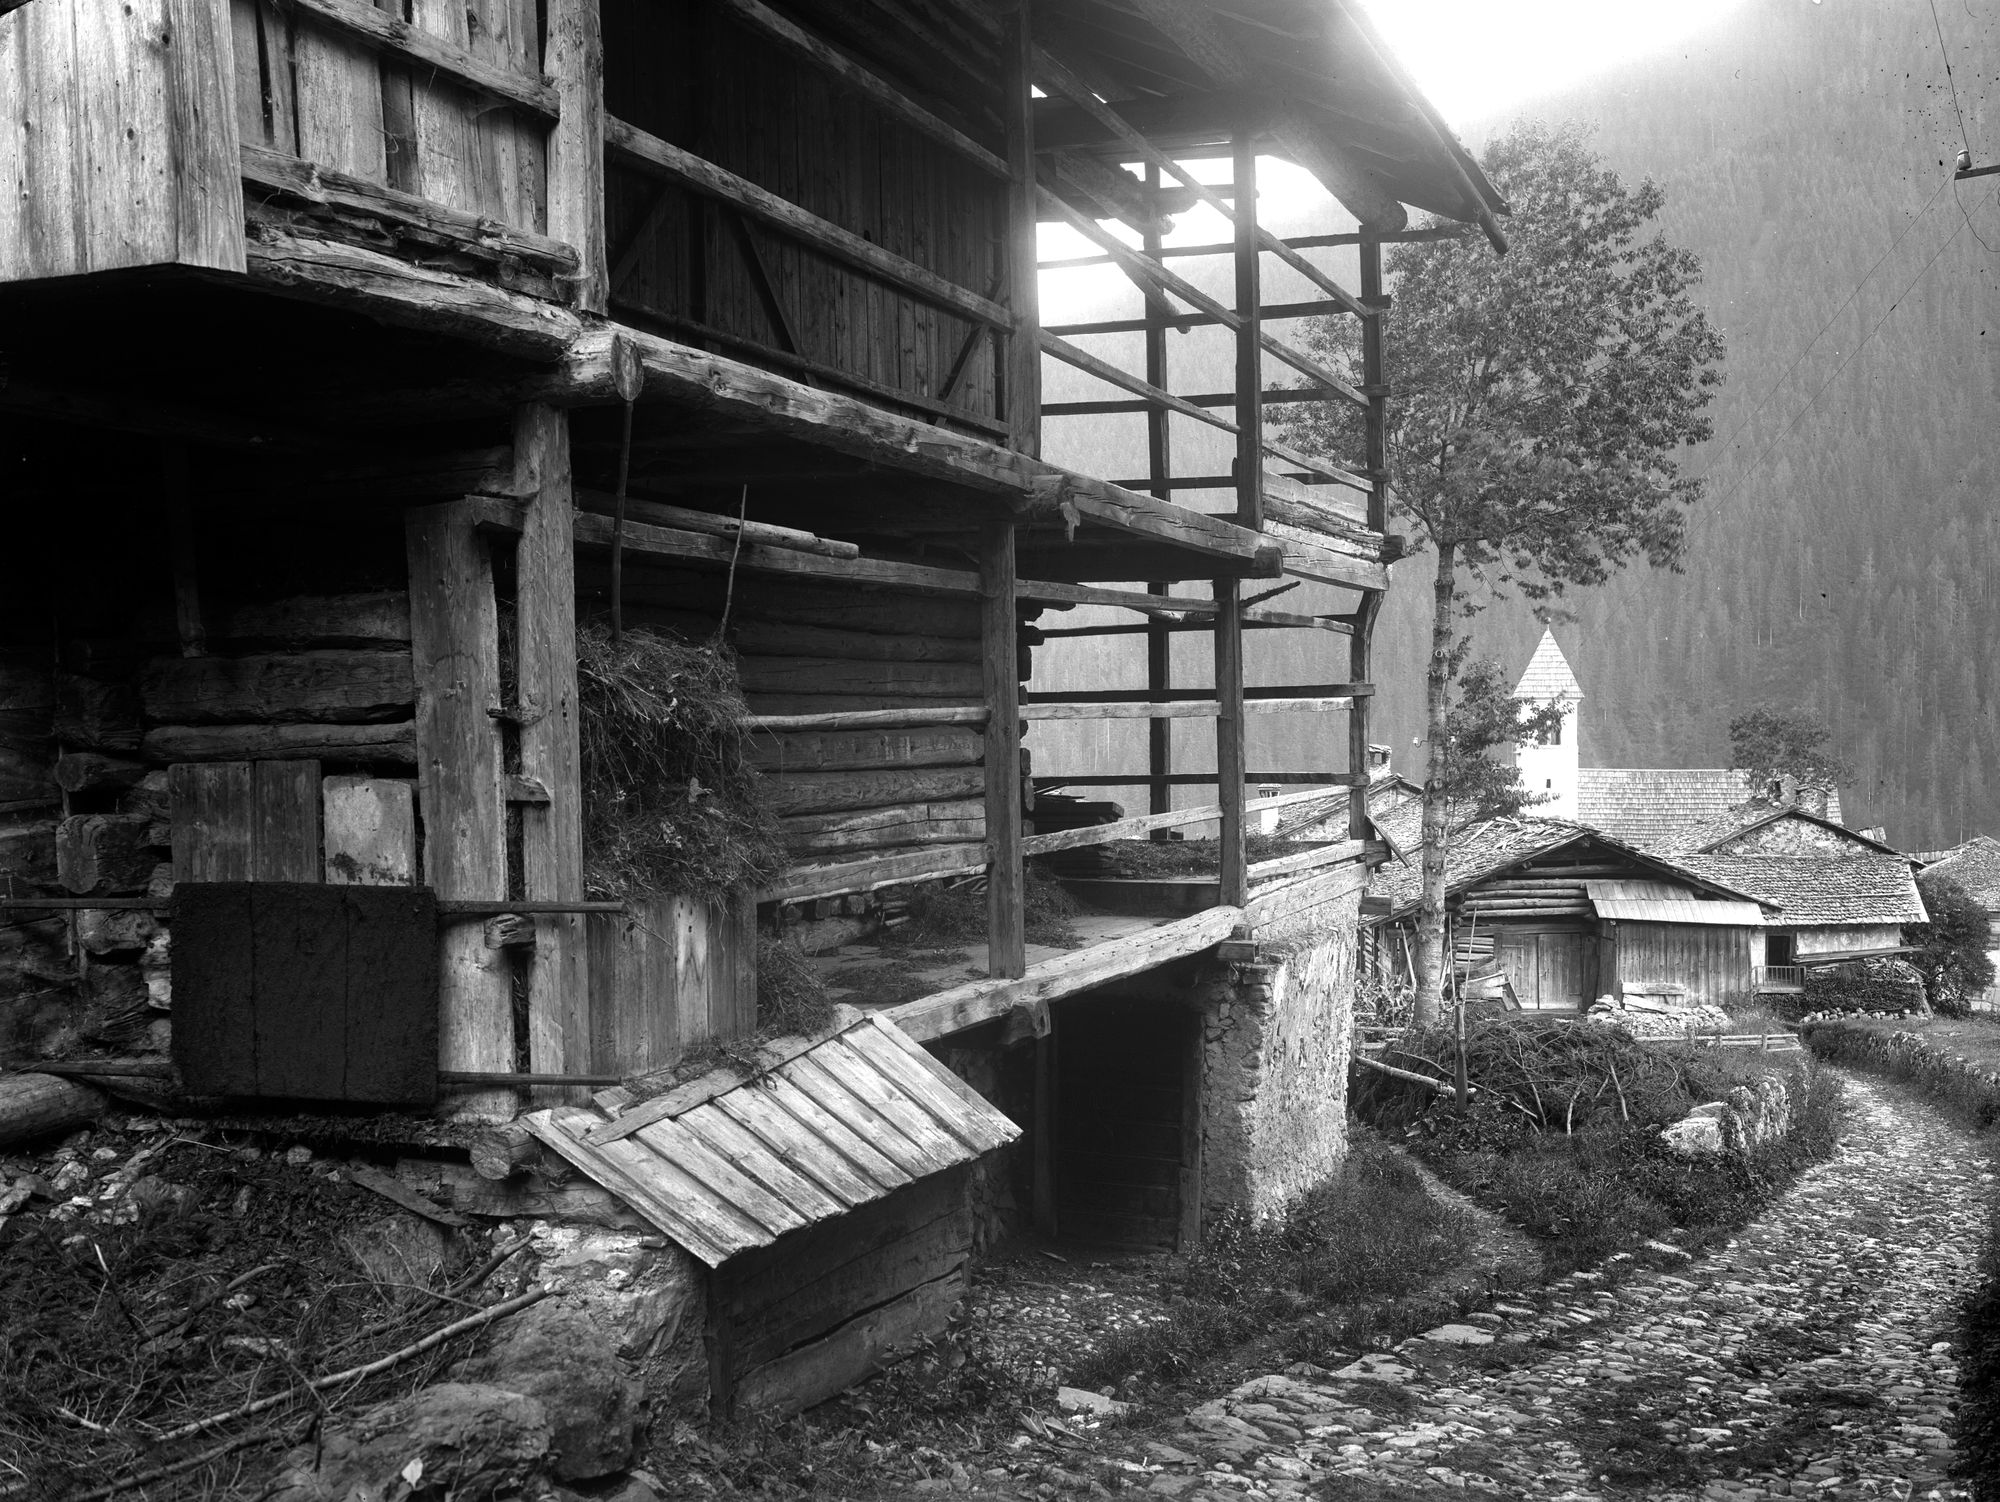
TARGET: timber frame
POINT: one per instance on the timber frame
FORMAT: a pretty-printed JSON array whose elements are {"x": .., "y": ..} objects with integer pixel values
[{"x": 585, "y": 334}]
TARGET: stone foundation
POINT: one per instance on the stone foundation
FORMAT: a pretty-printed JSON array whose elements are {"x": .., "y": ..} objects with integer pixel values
[{"x": 1276, "y": 1037}]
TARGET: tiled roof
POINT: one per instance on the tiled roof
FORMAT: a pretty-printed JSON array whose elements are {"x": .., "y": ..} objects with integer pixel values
[
  {"x": 1548, "y": 674},
  {"x": 1975, "y": 865},
  {"x": 818, "y": 1126},
  {"x": 1810, "y": 891},
  {"x": 1649, "y": 805}
]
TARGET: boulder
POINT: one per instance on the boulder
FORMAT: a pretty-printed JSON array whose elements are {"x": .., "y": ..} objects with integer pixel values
[
  {"x": 465, "y": 1441},
  {"x": 1695, "y": 1137},
  {"x": 560, "y": 1356}
]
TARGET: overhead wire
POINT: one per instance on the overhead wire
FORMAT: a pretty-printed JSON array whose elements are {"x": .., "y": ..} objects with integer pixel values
[{"x": 1827, "y": 384}]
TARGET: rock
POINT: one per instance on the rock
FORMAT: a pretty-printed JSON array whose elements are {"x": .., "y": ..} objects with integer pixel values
[
  {"x": 1082, "y": 1400},
  {"x": 472, "y": 1442},
  {"x": 399, "y": 1248},
  {"x": 560, "y": 1356},
  {"x": 1378, "y": 1366},
  {"x": 1694, "y": 1137},
  {"x": 1459, "y": 1335}
]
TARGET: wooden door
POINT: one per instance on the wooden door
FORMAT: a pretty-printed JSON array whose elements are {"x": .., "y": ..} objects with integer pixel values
[
  {"x": 1567, "y": 969},
  {"x": 1520, "y": 963}
]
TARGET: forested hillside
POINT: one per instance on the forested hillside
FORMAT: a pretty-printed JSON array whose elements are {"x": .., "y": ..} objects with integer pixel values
[{"x": 1844, "y": 558}]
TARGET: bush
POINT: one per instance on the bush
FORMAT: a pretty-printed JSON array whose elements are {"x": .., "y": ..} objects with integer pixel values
[
  {"x": 1884, "y": 985},
  {"x": 1951, "y": 948},
  {"x": 1962, "y": 1087}
]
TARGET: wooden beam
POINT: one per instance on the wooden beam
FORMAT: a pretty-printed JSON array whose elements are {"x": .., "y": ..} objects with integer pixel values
[
  {"x": 1006, "y": 944},
  {"x": 1149, "y": 274},
  {"x": 1126, "y": 829},
  {"x": 684, "y": 168},
  {"x": 575, "y": 56},
  {"x": 1150, "y": 695},
  {"x": 969, "y": 1005},
  {"x": 594, "y": 531},
  {"x": 455, "y": 632},
  {"x": 1308, "y": 860},
  {"x": 1154, "y": 396},
  {"x": 764, "y": 533},
  {"x": 871, "y": 875},
  {"x": 885, "y": 96},
  {"x": 387, "y": 33},
  {"x": 870, "y": 719},
  {"x": 1178, "y": 711},
  {"x": 287, "y": 176},
  {"x": 559, "y": 1024},
  {"x": 1021, "y": 366},
  {"x": 1250, "y": 342},
  {"x": 409, "y": 295},
  {"x": 1229, "y": 736}
]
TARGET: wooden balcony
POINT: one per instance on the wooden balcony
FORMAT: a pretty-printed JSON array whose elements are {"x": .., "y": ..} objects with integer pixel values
[{"x": 1778, "y": 980}]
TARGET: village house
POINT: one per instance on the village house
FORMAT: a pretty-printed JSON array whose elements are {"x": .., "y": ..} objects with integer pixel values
[
  {"x": 1974, "y": 865},
  {"x": 356, "y": 369}
]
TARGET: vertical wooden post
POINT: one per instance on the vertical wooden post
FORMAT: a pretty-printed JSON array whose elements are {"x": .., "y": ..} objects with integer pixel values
[
  {"x": 1007, "y": 953},
  {"x": 574, "y": 61},
  {"x": 455, "y": 644},
  {"x": 1229, "y": 736},
  {"x": 1360, "y": 644},
  {"x": 1159, "y": 465},
  {"x": 1022, "y": 368},
  {"x": 1249, "y": 349},
  {"x": 551, "y": 833}
]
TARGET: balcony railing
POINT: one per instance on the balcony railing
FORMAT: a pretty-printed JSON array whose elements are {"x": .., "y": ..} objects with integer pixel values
[{"x": 1779, "y": 977}]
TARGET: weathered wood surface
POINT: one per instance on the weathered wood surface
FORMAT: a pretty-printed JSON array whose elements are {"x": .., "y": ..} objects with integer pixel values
[
  {"x": 559, "y": 996},
  {"x": 423, "y": 47},
  {"x": 1178, "y": 711},
  {"x": 910, "y": 715},
  {"x": 832, "y": 1364},
  {"x": 117, "y": 151},
  {"x": 661, "y": 514},
  {"x": 872, "y": 679},
  {"x": 576, "y": 196},
  {"x": 938, "y": 823},
  {"x": 380, "y": 617},
  {"x": 832, "y": 606},
  {"x": 666, "y": 975},
  {"x": 969, "y": 1005},
  {"x": 827, "y": 792},
  {"x": 753, "y": 637},
  {"x": 390, "y": 744},
  {"x": 101, "y": 854},
  {"x": 1001, "y": 762},
  {"x": 369, "y": 831},
  {"x": 246, "y": 821},
  {"x": 317, "y": 687},
  {"x": 454, "y": 628},
  {"x": 869, "y": 875},
  {"x": 33, "y": 1106},
  {"x": 815, "y": 751}
]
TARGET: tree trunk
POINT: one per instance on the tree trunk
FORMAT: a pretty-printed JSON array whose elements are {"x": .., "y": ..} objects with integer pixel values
[
  {"x": 1431, "y": 960},
  {"x": 41, "y": 1105}
]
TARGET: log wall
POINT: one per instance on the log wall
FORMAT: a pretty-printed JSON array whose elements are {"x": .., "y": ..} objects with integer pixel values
[{"x": 685, "y": 72}]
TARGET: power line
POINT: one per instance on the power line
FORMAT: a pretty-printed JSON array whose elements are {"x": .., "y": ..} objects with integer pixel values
[
  {"x": 1778, "y": 385},
  {"x": 1825, "y": 386},
  {"x": 1938, "y": 27}
]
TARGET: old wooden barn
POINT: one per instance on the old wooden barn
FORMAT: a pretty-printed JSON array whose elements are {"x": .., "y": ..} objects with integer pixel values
[{"x": 353, "y": 359}]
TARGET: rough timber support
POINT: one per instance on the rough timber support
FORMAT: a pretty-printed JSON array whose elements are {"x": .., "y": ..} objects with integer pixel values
[
  {"x": 576, "y": 146},
  {"x": 454, "y": 636},
  {"x": 551, "y": 833},
  {"x": 1022, "y": 386},
  {"x": 1007, "y": 948}
]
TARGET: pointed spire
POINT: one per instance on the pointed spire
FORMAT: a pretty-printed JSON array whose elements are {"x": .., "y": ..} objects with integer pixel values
[{"x": 1548, "y": 674}]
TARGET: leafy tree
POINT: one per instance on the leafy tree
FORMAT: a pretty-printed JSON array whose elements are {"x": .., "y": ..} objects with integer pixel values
[
  {"x": 1773, "y": 745},
  {"x": 1951, "y": 948},
  {"x": 1539, "y": 401},
  {"x": 1482, "y": 717}
]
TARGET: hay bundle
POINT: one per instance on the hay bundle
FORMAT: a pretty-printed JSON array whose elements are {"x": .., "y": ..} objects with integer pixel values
[{"x": 671, "y": 804}]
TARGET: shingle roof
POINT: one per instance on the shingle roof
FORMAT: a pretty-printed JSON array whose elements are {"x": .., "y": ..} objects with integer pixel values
[
  {"x": 819, "y": 1126},
  {"x": 1649, "y": 805},
  {"x": 1483, "y": 849},
  {"x": 1548, "y": 674},
  {"x": 1975, "y": 865},
  {"x": 1814, "y": 891}
]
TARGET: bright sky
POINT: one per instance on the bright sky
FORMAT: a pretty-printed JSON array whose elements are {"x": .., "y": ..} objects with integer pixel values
[{"x": 1478, "y": 58}]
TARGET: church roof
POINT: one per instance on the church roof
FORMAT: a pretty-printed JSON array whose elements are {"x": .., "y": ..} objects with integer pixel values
[{"x": 1548, "y": 674}]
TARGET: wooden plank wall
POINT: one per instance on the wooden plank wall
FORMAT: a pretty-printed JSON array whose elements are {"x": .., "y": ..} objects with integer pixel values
[
  {"x": 666, "y": 976},
  {"x": 821, "y": 1308},
  {"x": 810, "y": 648},
  {"x": 304, "y": 88},
  {"x": 118, "y": 146},
  {"x": 1711, "y": 961},
  {"x": 727, "y": 94}
]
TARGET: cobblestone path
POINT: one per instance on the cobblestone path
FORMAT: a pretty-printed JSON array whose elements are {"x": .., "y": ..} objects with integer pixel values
[{"x": 1811, "y": 1358}]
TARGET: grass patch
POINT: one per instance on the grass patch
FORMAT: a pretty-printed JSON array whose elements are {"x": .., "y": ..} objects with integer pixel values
[
  {"x": 671, "y": 804},
  {"x": 1324, "y": 1275},
  {"x": 1953, "y": 1061},
  {"x": 1158, "y": 859},
  {"x": 944, "y": 916},
  {"x": 1565, "y": 1140}
]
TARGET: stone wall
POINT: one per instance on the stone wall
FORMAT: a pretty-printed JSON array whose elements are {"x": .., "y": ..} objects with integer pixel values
[{"x": 1276, "y": 1036}]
